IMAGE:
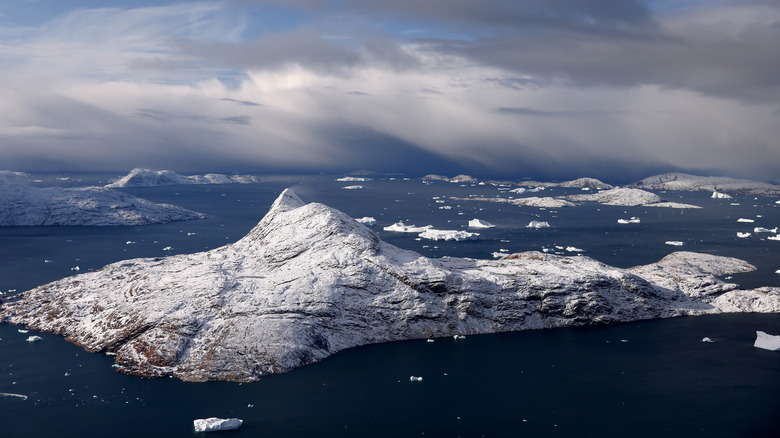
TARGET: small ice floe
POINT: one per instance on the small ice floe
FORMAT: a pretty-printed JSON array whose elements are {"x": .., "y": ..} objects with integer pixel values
[
  {"x": 429, "y": 340},
  {"x": 46, "y": 261},
  {"x": 456, "y": 235},
  {"x": 400, "y": 227},
  {"x": 367, "y": 220},
  {"x": 742, "y": 235},
  {"x": 458, "y": 337},
  {"x": 734, "y": 203},
  {"x": 706, "y": 339},
  {"x": 129, "y": 242},
  {"x": 353, "y": 187},
  {"x": 633, "y": 220},
  {"x": 775, "y": 237},
  {"x": 777, "y": 272},
  {"x": 34, "y": 338},
  {"x": 22, "y": 330},
  {"x": 214, "y": 424},
  {"x": 445, "y": 207},
  {"x": 250, "y": 405},
  {"x": 765, "y": 230},
  {"x": 479, "y": 223},
  {"x": 10, "y": 394},
  {"x": 674, "y": 242},
  {"x": 75, "y": 268},
  {"x": 190, "y": 234},
  {"x": 353, "y": 179},
  {"x": 415, "y": 379},
  {"x": 538, "y": 224},
  {"x": 497, "y": 255},
  {"x": 718, "y": 195},
  {"x": 767, "y": 341},
  {"x": 747, "y": 221},
  {"x": 574, "y": 249},
  {"x": 167, "y": 248}
]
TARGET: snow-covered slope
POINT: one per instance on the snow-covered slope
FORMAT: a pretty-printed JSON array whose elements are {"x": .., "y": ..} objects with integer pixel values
[
  {"x": 309, "y": 281},
  {"x": 150, "y": 178},
  {"x": 683, "y": 181},
  {"x": 582, "y": 183},
  {"x": 616, "y": 196},
  {"x": 24, "y": 205}
]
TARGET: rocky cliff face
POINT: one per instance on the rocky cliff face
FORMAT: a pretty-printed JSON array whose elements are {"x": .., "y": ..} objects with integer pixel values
[
  {"x": 24, "y": 205},
  {"x": 309, "y": 281}
]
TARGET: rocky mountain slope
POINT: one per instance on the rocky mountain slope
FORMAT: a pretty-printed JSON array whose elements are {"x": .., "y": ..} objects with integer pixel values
[
  {"x": 153, "y": 178},
  {"x": 309, "y": 281},
  {"x": 683, "y": 181},
  {"x": 22, "y": 205}
]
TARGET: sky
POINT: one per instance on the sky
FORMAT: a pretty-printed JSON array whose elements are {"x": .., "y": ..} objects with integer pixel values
[{"x": 558, "y": 89}]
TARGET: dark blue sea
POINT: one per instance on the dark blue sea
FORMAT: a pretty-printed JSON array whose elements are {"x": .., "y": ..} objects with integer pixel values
[{"x": 643, "y": 379}]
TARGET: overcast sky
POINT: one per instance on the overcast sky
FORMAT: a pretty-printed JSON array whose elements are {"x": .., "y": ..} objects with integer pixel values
[{"x": 616, "y": 89}]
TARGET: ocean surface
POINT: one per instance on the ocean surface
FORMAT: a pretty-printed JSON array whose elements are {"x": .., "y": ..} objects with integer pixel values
[{"x": 646, "y": 379}]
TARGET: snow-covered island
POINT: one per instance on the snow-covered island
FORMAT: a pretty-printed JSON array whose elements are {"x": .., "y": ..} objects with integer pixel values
[
  {"x": 22, "y": 205},
  {"x": 580, "y": 183},
  {"x": 616, "y": 196},
  {"x": 455, "y": 179},
  {"x": 309, "y": 281},
  {"x": 715, "y": 184},
  {"x": 139, "y": 177}
]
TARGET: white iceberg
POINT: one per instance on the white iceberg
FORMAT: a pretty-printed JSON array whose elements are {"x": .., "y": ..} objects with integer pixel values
[
  {"x": 574, "y": 249},
  {"x": 674, "y": 242},
  {"x": 458, "y": 337},
  {"x": 767, "y": 341},
  {"x": 34, "y": 338},
  {"x": 747, "y": 221},
  {"x": 399, "y": 227},
  {"x": 719, "y": 195},
  {"x": 415, "y": 379},
  {"x": 706, "y": 339},
  {"x": 537, "y": 224},
  {"x": 353, "y": 179},
  {"x": 479, "y": 223},
  {"x": 765, "y": 230},
  {"x": 353, "y": 187},
  {"x": 370, "y": 221},
  {"x": 775, "y": 237},
  {"x": 743, "y": 235},
  {"x": 457, "y": 235},
  {"x": 633, "y": 220},
  {"x": 214, "y": 424}
]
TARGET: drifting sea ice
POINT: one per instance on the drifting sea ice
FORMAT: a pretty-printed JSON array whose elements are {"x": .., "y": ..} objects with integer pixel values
[
  {"x": 743, "y": 235},
  {"x": 633, "y": 220},
  {"x": 747, "y": 221},
  {"x": 214, "y": 424},
  {"x": 479, "y": 223},
  {"x": 457, "y": 235},
  {"x": 767, "y": 341},
  {"x": 367, "y": 220},
  {"x": 538, "y": 224},
  {"x": 674, "y": 242},
  {"x": 400, "y": 227}
]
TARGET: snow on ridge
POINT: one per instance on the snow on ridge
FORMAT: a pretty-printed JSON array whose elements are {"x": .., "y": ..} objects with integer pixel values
[
  {"x": 719, "y": 184},
  {"x": 140, "y": 177},
  {"x": 22, "y": 205},
  {"x": 309, "y": 281}
]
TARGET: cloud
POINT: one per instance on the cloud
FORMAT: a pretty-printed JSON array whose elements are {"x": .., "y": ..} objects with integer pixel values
[{"x": 527, "y": 87}]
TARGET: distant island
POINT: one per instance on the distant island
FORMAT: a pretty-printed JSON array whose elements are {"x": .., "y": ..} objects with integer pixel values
[
  {"x": 139, "y": 177},
  {"x": 22, "y": 205},
  {"x": 309, "y": 281}
]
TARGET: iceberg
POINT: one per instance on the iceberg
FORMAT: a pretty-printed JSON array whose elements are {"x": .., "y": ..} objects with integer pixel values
[
  {"x": 353, "y": 187},
  {"x": 747, "y": 221},
  {"x": 764, "y": 230},
  {"x": 574, "y": 249},
  {"x": 633, "y": 220},
  {"x": 399, "y": 227},
  {"x": 776, "y": 237},
  {"x": 214, "y": 424},
  {"x": 34, "y": 338},
  {"x": 767, "y": 341},
  {"x": 743, "y": 235},
  {"x": 370, "y": 221},
  {"x": 434, "y": 234},
  {"x": 538, "y": 224},
  {"x": 674, "y": 242},
  {"x": 479, "y": 223},
  {"x": 415, "y": 379},
  {"x": 353, "y": 179},
  {"x": 719, "y": 195},
  {"x": 706, "y": 339}
]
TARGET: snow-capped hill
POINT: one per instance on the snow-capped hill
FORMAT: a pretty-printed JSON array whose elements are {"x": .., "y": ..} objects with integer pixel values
[
  {"x": 686, "y": 182},
  {"x": 619, "y": 196},
  {"x": 455, "y": 179},
  {"x": 580, "y": 183},
  {"x": 153, "y": 178},
  {"x": 9, "y": 176},
  {"x": 22, "y": 205},
  {"x": 309, "y": 281}
]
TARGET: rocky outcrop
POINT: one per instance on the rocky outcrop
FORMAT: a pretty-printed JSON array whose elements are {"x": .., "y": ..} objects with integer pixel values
[
  {"x": 309, "y": 281},
  {"x": 22, "y": 205}
]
